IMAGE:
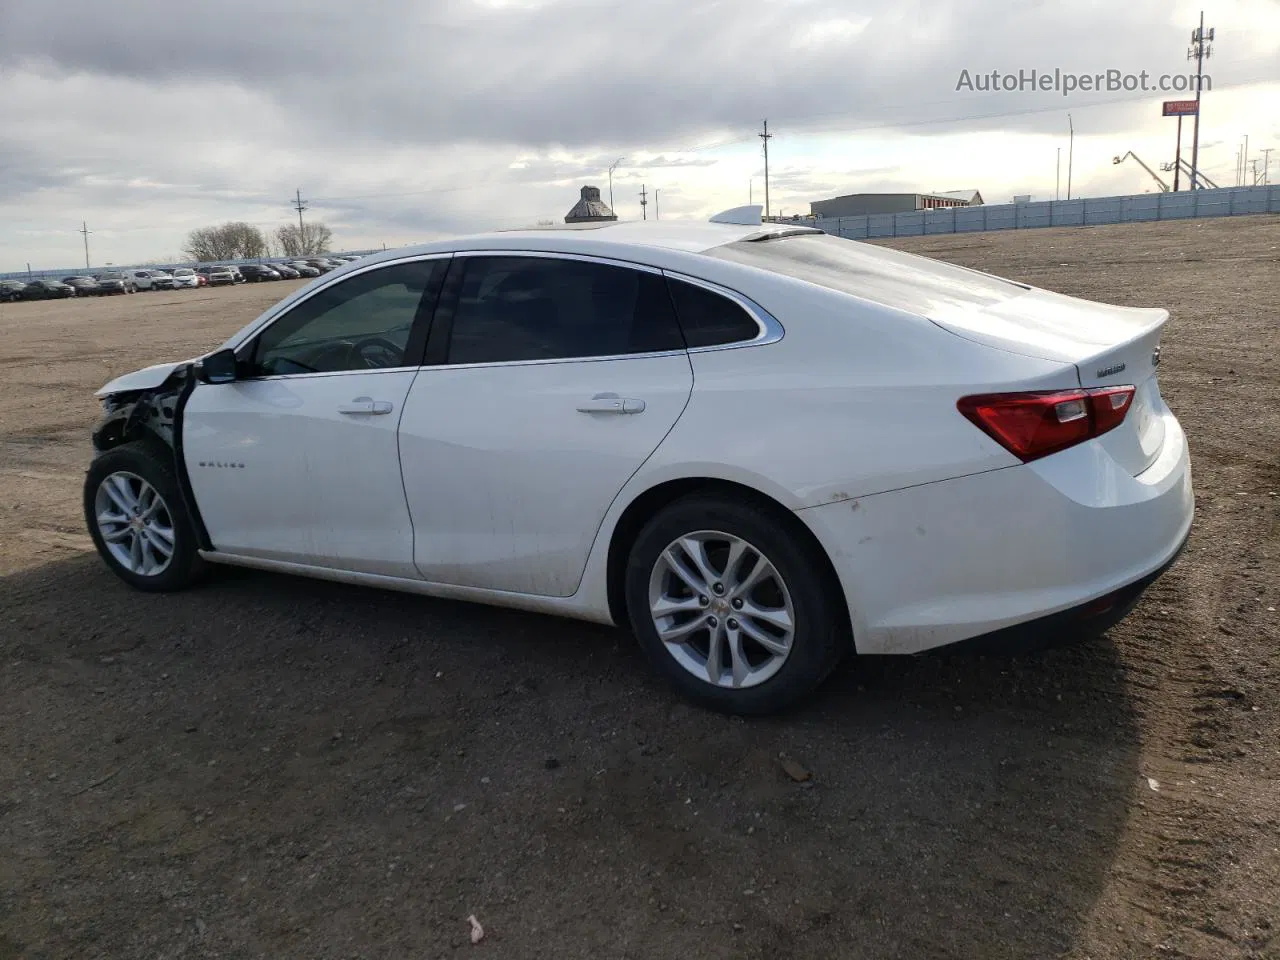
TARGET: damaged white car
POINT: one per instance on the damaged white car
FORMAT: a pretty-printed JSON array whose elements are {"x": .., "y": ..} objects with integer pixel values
[{"x": 757, "y": 446}]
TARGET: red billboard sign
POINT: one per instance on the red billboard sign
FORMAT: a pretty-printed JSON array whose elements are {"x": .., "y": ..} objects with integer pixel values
[{"x": 1179, "y": 108}]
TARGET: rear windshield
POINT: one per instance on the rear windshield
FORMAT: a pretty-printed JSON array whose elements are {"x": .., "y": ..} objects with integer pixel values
[{"x": 903, "y": 280}]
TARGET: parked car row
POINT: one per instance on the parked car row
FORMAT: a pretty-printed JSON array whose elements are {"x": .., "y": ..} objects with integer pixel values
[
  {"x": 284, "y": 270},
  {"x": 131, "y": 281}
]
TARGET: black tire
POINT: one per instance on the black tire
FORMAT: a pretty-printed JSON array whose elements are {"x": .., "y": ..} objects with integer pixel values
[
  {"x": 154, "y": 464},
  {"x": 819, "y": 637}
]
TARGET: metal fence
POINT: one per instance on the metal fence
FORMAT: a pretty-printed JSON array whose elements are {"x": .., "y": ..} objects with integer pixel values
[{"x": 1090, "y": 211}]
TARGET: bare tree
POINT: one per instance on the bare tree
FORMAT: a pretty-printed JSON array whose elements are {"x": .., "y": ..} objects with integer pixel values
[
  {"x": 230, "y": 241},
  {"x": 307, "y": 240}
]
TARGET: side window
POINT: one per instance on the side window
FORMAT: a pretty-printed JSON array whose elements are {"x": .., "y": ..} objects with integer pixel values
[
  {"x": 709, "y": 319},
  {"x": 544, "y": 308},
  {"x": 361, "y": 323}
]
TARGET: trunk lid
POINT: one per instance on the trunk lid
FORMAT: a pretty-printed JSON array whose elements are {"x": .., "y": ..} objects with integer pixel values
[{"x": 1109, "y": 346}]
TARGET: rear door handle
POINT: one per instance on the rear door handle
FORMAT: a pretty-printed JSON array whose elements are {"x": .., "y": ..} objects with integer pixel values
[
  {"x": 366, "y": 406},
  {"x": 611, "y": 403}
]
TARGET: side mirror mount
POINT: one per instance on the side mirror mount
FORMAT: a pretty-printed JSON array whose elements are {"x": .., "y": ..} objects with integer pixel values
[{"x": 217, "y": 367}]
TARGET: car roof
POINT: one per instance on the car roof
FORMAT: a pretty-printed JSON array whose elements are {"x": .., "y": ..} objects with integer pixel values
[{"x": 636, "y": 240}]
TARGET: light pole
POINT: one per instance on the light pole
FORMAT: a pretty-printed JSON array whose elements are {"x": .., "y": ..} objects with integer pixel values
[
  {"x": 1071, "y": 149},
  {"x": 612, "y": 167},
  {"x": 1057, "y": 177}
]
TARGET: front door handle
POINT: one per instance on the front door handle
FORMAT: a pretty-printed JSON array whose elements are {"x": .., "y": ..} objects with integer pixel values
[
  {"x": 611, "y": 403},
  {"x": 365, "y": 406}
]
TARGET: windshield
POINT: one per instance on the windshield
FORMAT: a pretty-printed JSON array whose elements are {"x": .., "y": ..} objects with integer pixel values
[{"x": 183, "y": 273}]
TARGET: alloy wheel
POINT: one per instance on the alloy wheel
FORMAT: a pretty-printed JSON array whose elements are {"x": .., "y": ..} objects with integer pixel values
[
  {"x": 722, "y": 609},
  {"x": 135, "y": 524}
]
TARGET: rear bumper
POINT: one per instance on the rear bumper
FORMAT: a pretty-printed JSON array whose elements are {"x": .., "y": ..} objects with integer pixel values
[
  {"x": 941, "y": 563},
  {"x": 1082, "y": 622}
]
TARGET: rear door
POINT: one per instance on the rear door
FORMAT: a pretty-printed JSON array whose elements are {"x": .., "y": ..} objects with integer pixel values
[{"x": 550, "y": 380}]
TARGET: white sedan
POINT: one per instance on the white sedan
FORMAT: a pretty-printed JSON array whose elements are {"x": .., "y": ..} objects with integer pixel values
[
  {"x": 758, "y": 446},
  {"x": 185, "y": 277}
]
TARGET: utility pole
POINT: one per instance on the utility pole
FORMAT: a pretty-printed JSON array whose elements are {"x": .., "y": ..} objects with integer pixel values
[
  {"x": 1057, "y": 177},
  {"x": 1266, "y": 164},
  {"x": 1254, "y": 163},
  {"x": 657, "y": 212},
  {"x": 612, "y": 167},
  {"x": 85, "y": 231},
  {"x": 766, "y": 136},
  {"x": 1071, "y": 150},
  {"x": 299, "y": 206},
  {"x": 1177, "y": 156},
  {"x": 1200, "y": 49},
  {"x": 751, "y": 191},
  {"x": 644, "y": 203}
]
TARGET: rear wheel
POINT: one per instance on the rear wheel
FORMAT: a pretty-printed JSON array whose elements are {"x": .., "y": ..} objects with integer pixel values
[
  {"x": 138, "y": 520},
  {"x": 732, "y": 606}
]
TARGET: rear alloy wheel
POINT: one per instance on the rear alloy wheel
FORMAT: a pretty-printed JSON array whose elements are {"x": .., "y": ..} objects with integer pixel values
[
  {"x": 732, "y": 606},
  {"x": 138, "y": 520},
  {"x": 721, "y": 608}
]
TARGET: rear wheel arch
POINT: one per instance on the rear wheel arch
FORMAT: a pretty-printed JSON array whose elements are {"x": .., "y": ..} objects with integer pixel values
[{"x": 652, "y": 501}]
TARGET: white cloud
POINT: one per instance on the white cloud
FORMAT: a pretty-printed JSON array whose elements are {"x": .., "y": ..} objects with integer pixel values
[
  {"x": 405, "y": 120},
  {"x": 836, "y": 30}
]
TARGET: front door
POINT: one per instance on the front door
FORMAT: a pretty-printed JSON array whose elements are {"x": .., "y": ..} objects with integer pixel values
[
  {"x": 556, "y": 379},
  {"x": 297, "y": 459}
]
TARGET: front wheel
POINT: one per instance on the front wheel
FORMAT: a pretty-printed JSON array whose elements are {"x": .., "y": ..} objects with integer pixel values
[
  {"x": 732, "y": 605},
  {"x": 138, "y": 520}
]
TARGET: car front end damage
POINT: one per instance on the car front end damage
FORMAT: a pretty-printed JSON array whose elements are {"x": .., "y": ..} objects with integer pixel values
[{"x": 153, "y": 415}]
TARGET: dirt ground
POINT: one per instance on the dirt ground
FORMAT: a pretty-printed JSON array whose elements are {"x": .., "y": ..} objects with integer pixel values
[{"x": 272, "y": 767}]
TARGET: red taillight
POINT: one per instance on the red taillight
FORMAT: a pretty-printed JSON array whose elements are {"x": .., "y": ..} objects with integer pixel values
[{"x": 1033, "y": 425}]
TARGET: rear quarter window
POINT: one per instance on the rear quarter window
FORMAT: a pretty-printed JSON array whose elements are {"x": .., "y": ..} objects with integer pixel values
[{"x": 710, "y": 319}]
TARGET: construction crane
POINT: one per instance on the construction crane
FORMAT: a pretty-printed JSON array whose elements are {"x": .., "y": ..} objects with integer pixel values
[
  {"x": 1164, "y": 187},
  {"x": 1185, "y": 167}
]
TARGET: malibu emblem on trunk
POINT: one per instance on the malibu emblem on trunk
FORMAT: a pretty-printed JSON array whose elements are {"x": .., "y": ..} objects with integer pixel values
[{"x": 1111, "y": 370}]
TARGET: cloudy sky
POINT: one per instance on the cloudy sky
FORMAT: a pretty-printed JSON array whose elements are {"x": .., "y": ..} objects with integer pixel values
[{"x": 406, "y": 120}]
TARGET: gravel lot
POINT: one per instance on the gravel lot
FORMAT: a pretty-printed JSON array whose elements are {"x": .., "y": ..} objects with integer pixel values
[{"x": 271, "y": 767}]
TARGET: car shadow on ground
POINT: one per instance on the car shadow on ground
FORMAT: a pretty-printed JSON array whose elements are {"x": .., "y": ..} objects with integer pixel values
[{"x": 273, "y": 765}]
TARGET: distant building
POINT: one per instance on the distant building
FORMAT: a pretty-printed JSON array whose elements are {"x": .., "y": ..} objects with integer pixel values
[
  {"x": 590, "y": 208},
  {"x": 971, "y": 198},
  {"x": 862, "y": 204}
]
